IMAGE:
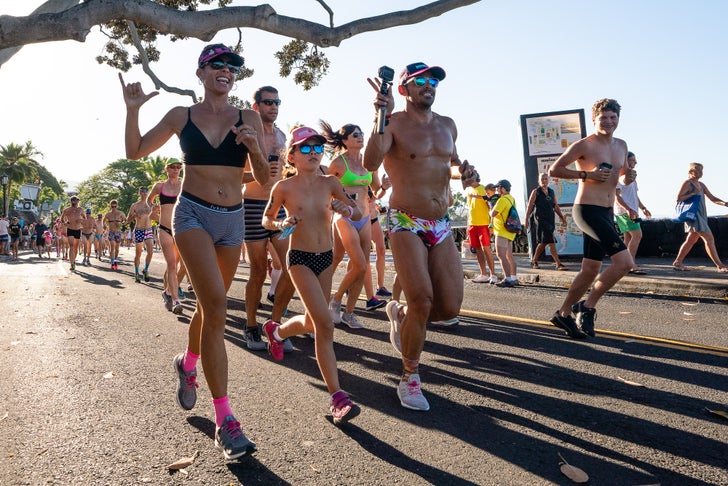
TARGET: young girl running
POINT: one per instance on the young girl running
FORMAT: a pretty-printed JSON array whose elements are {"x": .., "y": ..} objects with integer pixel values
[{"x": 309, "y": 198}]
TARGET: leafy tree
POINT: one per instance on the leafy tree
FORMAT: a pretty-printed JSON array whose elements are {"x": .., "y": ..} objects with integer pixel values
[
  {"x": 458, "y": 211},
  {"x": 119, "y": 180},
  {"x": 139, "y": 23},
  {"x": 20, "y": 164}
]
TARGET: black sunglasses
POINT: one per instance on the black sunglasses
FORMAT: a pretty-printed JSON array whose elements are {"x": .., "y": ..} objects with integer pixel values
[
  {"x": 271, "y": 102},
  {"x": 218, "y": 65}
]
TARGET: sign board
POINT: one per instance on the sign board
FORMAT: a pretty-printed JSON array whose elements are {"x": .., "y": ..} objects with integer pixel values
[{"x": 545, "y": 137}]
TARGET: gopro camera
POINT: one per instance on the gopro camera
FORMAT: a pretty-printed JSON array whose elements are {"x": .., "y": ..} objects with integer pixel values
[
  {"x": 605, "y": 165},
  {"x": 386, "y": 74},
  {"x": 272, "y": 158}
]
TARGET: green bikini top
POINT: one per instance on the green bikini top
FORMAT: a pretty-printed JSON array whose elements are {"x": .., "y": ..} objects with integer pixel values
[{"x": 350, "y": 179}]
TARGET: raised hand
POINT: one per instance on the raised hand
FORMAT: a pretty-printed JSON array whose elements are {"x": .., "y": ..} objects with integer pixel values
[
  {"x": 381, "y": 100},
  {"x": 134, "y": 95}
]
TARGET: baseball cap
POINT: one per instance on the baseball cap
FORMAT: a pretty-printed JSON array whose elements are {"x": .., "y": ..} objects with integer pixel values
[
  {"x": 416, "y": 68},
  {"x": 172, "y": 161},
  {"x": 301, "y": 134},
  {"x": 504, "y": 184},
  {"x": 74, "y": 198},
  {"x": 216, "y": 50}
]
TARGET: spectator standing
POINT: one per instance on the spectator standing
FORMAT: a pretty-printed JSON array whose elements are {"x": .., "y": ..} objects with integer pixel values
[
  {"x": 542, "y": 206},
  {"x": 503, "y": 237},
  {"x": 478, "y": 231}
]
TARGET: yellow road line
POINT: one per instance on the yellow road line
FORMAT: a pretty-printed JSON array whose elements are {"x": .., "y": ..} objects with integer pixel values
[{"x": 622, "y": 336}]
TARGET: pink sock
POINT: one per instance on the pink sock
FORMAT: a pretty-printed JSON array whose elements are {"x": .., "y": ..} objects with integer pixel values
[
  {"x": 222, "y": 409},
  {"x": 190, "y": 361}
]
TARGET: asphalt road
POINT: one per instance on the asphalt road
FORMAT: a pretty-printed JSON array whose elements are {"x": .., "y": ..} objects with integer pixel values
[{"x": 89, "y": 389}]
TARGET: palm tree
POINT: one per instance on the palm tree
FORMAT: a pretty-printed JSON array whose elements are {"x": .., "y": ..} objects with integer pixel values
[
  {"x": 154, "y": 168},
  {"x": 18, "y": 163}
]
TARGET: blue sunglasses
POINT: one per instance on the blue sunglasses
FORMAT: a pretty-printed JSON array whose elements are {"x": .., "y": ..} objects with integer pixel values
[
  {"x": 306, "y": 149},
  {"x": 421, "y": 81}
]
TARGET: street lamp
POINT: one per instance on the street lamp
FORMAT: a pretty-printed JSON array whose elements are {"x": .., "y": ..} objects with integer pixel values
[{"x": 4, "y": 180}]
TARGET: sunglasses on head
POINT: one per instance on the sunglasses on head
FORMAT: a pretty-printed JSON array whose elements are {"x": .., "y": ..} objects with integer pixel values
[
  {"x": 218, "y": 65},
  {"x": 421, "y": 81},
  {"x": 271, "y": 102},
  {"x": 306, "y": 149}
]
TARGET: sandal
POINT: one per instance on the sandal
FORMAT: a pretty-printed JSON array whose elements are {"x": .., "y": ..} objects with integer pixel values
[
  {"x": 561, "y": 267},
  {"x": 534, "y": 265}
]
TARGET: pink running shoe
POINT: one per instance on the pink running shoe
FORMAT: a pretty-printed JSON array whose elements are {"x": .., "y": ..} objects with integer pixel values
[
  {"x": 342, "y": 408},
  {"x": 275, "y": 347}
]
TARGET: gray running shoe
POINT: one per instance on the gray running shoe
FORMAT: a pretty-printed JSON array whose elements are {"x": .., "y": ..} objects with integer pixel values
[
  {"x": 187, "y": 387},
  {"x": 253, "y": 339},
  {"x": 410, "y": 395},
  {"x": 167, "y": 300},
  {"x": 230, "y": 439},
  {"x": 177, "y": 308},
  {"x": 396, "y": 327},
  {"x": 350, "y": 319},
  {"x": 287, "y": 346}
]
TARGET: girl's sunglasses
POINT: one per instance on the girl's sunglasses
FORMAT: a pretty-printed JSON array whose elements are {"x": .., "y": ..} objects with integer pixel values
[
  {"x": 218, "y": 65},
  {"x": 306, "y": 149},
  {"x": 421, "y": 81}
]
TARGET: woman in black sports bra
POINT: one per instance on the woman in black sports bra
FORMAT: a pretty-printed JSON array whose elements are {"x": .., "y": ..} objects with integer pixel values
[
  {"x": 168, "y": 192},
  {"x": 218, "y": 141}
]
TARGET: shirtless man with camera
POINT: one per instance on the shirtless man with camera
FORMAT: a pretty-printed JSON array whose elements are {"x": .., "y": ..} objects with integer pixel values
[{"x": 420, "y": 157}]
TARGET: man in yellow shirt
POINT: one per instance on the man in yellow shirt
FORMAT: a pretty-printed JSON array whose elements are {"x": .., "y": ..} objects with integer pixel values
[
  {"x": 478, "y": 232},
  {"x": 503, "y": 237}
]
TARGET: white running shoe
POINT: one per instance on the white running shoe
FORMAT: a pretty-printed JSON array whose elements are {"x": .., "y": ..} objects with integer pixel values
[
  {"x": 410, "y": 394},
  {"x": 395, "y": 329},
  {"x": 335, "y": 310},
  {"x": 480, "y": 279}
]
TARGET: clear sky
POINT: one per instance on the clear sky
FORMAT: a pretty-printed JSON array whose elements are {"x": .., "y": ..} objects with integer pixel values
[{"x": 665, "y": 61}]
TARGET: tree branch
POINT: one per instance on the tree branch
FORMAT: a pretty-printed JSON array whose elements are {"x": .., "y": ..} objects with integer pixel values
[
  {"x": 76, "y": 22},
  {"x": 158, "y": 84}
]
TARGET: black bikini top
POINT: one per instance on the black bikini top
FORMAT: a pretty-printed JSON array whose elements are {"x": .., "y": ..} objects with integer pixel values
[{"x": 196, "y": 150}]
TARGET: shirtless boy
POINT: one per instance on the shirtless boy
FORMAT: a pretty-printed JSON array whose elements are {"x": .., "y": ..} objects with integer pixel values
[
  {"x": 600, "y": 160},
  {"x": 114, "y": 219},
  {"x": 141, "y": 213},
  {"x": 420, "y": 157},
  {"x": 87, "y": 234},
  {"x": 73, "y": 218}
]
